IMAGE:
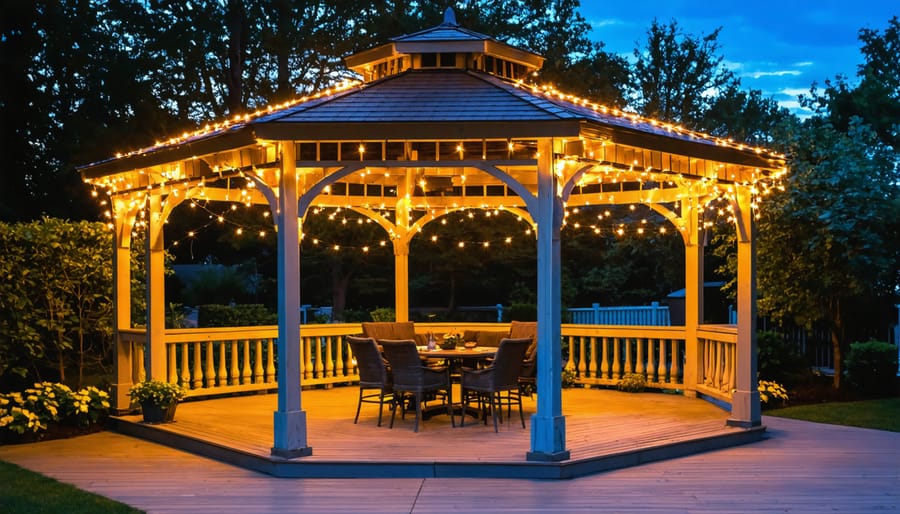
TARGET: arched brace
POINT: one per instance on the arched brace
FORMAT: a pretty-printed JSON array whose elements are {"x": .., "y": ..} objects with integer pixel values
[
  {"x": 382, "y": 222},
  {"x": 268, "y": 193},
  {"x": 165, "y": 206},
  {"x": 573, "y": 181},
  {"x": 307, "y": 198},
  {"x": 529, "y": 199}
]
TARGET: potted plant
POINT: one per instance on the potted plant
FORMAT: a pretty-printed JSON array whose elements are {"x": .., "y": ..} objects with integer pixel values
[{"x": 157, "y": 398}]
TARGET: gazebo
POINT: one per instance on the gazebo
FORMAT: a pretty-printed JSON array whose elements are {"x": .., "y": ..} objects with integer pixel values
[{"x": 444, "y": 119}]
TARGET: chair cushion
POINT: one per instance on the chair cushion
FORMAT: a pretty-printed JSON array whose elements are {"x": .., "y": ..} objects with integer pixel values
[
  {"x": 485, "y": 337},
  {"x": 396, "y": 330}
]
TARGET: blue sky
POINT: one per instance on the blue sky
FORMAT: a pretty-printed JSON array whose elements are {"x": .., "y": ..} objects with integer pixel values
[{"x": 778, "y": 47}]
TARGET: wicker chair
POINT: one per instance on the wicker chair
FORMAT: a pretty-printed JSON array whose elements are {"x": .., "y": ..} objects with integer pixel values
[
  {"x": 411, "y": 377},
  {"x": 373, "y": 375},
  {"x": 501, "y": 376}
]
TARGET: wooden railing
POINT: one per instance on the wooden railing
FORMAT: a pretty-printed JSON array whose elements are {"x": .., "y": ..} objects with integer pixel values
[
  {"x": 602, "y": 355},
  {"x": 717, "y": 348},
  {"x": 212, "y": 361}
]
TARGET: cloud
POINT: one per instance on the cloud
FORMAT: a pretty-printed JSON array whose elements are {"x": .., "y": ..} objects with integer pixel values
[
  {"x": 803, "y": 64},
  {"x": 795, "y": 92},
  {"x": 605, "y": 22},
  {"x": 778, "y": 73}
]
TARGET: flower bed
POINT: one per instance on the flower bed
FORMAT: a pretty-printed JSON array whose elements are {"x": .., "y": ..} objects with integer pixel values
[{"x": 51, "y": 410}]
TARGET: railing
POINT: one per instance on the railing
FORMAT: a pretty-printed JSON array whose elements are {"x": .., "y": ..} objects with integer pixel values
[
  {"x": 653, "y": 315},
  {"x": 602, "y": 355},
  {"x": 215, "y": 361},
  {"x": 717, "y": 348}
]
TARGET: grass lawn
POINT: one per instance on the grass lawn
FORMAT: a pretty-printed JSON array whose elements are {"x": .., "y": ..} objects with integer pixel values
[
  {"x": 25, "y": 492},
  {"x": 881, "y": 414}
]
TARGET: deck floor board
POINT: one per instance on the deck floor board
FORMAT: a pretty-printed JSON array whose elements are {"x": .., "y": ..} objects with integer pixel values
[
  {"x": 598, "y": 421},
  {"x": 801, "y": 467}
]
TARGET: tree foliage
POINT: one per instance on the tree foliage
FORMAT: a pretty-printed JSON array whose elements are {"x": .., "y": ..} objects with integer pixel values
[
  {"x": 676, "y": 76},
  {"x": 829, "y": 241},
  {"x": 55, "y": 303}
]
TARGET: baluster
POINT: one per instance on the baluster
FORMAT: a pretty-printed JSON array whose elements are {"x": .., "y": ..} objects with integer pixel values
[
  {"x": 245, "y": 367},
  {"x": 318, "y": 365},
  {"x": 329, "y": 363},
  {"x": 171, "y": 365},
  {"x": 185, "y": 366},
  {"x": 306, "y": 349},
  {"x": 604, "y": 357},
  {"x": 717, "y": 373},
  {"x": 641, "y": 361},
  {"x": 617, "y": 357},
  {"x": 209, "y": 378},
  {"x": 198, "y": 365},
  {"x": 661, "y": 363},
  {"x": 675, "y": 367},
  {"x": 348, "y": 359},
  {"x": 138, "y": 371},
  {"x": 592, "y": 363},
  {"x": 270, "y": 360},
  {"x": 728, "y": 379},
  {"x": 258, "y": 377},
  {"x": 629, "y": 355},
  {"x": 570, "y": 362},
  {"x": 234, "y": 366},
  {"x": 707, "y": 363},
  {"x": 221, "y": 372}
]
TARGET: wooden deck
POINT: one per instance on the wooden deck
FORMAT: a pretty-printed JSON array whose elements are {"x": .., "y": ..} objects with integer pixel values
[
  {"x": 605, "y": 430},
  {"x": 799, "y": 467}
]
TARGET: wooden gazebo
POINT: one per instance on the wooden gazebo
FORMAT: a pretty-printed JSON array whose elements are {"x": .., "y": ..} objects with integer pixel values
[{"x": 444, "y": 119}]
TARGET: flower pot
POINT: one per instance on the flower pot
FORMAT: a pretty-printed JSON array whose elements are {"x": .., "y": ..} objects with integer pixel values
[{"x": 154, "y": 413}]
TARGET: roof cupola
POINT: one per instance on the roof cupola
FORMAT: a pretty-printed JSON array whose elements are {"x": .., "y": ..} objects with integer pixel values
[{"x": 445, "y": 46}]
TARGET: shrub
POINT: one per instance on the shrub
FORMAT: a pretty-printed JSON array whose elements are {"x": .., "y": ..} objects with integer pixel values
[
  {"x": 872, "y": 367},
  {"x": 778, "y": 359},
  {"x": 36, "y": 408},
  {"x": 249, "y": 315},
  {"x": 632, "y": 383}
]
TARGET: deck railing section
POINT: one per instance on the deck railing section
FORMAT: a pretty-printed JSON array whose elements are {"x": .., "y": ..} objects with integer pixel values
[
  {"x": 212, "y": 361},
  {"x": 717, "y": 348},
  {"x": 602, "y": 355}
]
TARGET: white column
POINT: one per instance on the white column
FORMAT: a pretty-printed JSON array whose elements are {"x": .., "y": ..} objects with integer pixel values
[
  {"x": 289, "y": 419},
  {"x": 745, "y": 403},
  {"x": 401, "y": 279},
  {"x": 693, "y": 295},
  {"x": 401, "y": 246},
  {"x": 548, "y": 425},
  {"x": 122, "y": 379},
  {"x": 155, "y": 353}
]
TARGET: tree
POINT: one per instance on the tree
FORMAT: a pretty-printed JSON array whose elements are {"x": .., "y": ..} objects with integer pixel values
[
  {"x": 876, "y": 98},
  {"x": 676, "y": 76},
  {"x": 830, "y": 239}
]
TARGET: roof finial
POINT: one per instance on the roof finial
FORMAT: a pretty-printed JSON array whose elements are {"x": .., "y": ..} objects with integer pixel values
[{"x": 450, "y": 18}]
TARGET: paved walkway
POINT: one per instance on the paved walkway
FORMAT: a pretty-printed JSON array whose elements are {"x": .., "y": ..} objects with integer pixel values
[{"x": 801, "y": 467}]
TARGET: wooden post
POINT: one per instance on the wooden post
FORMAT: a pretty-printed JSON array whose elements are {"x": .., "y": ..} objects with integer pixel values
[
  {"x": 156, "y": 291},
  {"x": 745, "y": 403},
  {"x": 401, "y": 247},
  {"x": 693, "y": 296},
  {"x": 122, "y": 379},
  {"x": 289, "y": 419},
  {"x": 548, "y": 425}
]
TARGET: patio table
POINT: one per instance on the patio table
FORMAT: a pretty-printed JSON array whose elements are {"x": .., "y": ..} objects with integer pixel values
[{"x": 456, "y": 357}]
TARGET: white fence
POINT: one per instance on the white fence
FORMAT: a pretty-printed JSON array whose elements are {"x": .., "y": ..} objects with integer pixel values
[{"x": 644, "y": 315}]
